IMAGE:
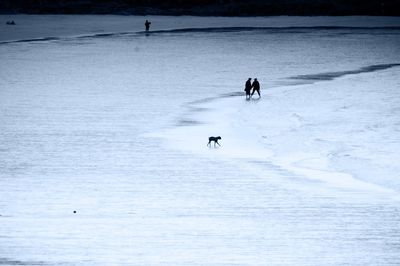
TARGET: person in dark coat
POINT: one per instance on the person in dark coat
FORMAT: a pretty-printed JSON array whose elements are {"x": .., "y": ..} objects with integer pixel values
[
  {"x": 247, "y": 88},
  {"x": 147, "y": 25},
  {"x": 256, "y": 87}
]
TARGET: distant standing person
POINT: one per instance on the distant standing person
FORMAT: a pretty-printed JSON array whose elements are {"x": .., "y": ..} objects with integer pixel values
[
  {"x": 256, "y": 87},
  {"x": 247, "y": 88},
  {"x": 147, "y": 25}
]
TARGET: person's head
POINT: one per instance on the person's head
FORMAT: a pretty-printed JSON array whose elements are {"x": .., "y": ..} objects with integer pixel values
[
  {"x": 249, "y": 79},
  {"x": 255, "y": 79}
]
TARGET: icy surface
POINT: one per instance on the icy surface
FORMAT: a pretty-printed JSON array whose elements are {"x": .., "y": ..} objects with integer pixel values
[{"x": 115, "y": 128}]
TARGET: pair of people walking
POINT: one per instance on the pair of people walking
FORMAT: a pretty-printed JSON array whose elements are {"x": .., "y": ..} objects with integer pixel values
[{"x": 255, "y": 86}]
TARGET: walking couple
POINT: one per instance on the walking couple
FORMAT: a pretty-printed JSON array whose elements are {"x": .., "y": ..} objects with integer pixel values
[{"x": 255, "y": 86}]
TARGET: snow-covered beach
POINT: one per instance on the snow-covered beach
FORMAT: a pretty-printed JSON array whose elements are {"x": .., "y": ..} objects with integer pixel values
[{"x": 115, "y": 127}]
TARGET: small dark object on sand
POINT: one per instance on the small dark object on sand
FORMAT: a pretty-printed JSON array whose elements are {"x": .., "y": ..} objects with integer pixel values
[
  {"x": 215, "y": 139},
  {"x": 74, "y": 211}
]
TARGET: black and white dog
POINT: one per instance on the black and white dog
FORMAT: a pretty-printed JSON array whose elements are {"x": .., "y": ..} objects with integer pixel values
[{"x": 215, "y": 139}]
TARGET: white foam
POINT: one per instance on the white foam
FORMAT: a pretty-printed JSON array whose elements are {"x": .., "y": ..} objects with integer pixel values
[{"x": 305, "y": 129}]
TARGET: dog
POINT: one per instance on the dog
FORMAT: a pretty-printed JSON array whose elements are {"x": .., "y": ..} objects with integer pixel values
[{"x": 215, "y": 139}]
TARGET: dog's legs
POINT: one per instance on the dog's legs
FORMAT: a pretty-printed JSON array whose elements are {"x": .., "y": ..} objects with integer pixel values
[{"x": 208, "y": 144}]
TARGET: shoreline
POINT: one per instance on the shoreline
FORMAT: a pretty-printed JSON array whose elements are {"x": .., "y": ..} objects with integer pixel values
[
  {"x": 317, "y": 159},
  {"x": 38, "y": 26},
  {"x": 103, "y": 166}
]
